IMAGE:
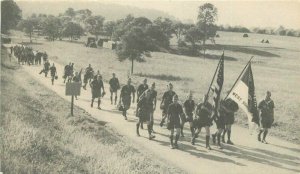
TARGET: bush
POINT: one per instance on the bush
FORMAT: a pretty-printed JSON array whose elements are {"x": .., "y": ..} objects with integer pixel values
[{"x": 245, "y": 35}]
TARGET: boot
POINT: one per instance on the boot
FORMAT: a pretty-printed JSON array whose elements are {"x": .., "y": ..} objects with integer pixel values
[
  {"x": 92, "y": 103},
  {"x": 192, "y": 131},
  {"x": 137, "y": 130},
  {"x": 213, "y": 136},
  {"x": 207, "y": 142},
  {"x": 219, "y": 141},
  {"x": 176, "y": 139},
  {"x": 171, "y": 141},
  {"x": 181, "y": 131},
  {"x": 149, "y": 132},
  {"x": 116, "y": 100},
  {"x": 228, "y": 136},
  {"x": 99, "y": 101},
  {"x": 142, "y": 125},
  {"x": 259, "y": 134},
  {"x": 223, "y": 136},
  {"x": 111, "y": 100},
  {"x": 264, "y": 137}
]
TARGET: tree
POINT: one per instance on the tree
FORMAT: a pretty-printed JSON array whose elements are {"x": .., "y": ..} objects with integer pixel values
[
  {"x": 134, "y": 45},
  {"x": 122, "y": 26},
  {"x": 28, "y": 26},
  {"x": 11, "y": 14},
  {"x": 157, "y": 37},
  {"x": 70, "y": 12},
  {"x": 165, "y": 25},
  {"x": 194, "y": 35},
  {"x": 109, "y": 28},
  {"x": 72, "y": 30},
  {"x": 52, "y": 27},
  {"x": 180, "y": 29},
  {"x": 207, "y": 17},
  {"x": 95, "y": 24}
]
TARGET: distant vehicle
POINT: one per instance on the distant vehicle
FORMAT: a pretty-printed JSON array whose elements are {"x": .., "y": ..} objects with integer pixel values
[{"x": 91, "y": 42}]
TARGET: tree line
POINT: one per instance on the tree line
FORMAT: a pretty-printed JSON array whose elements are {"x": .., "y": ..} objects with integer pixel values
[{"x": 281, "y": 31}]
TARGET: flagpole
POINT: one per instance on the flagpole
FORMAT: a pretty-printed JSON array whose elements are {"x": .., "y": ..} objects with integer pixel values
[
  {"x": 206, "y": 96},
  {"x": 238, "y": 77}
]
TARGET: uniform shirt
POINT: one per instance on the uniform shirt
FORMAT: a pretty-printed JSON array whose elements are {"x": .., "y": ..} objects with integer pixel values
[
  {"x": 127, "y": 90},
  {"x": 150, "y": 100},
  {"x": 89, "y": 71},
  {"x": 53, "y": 70},
  {"x": 267, "y": 109},
  {"x": 46, "y": 65},
  {"x": 97, "y": 85},
  {"x": 141, "y": 89},
  {"x": 168, "y": 97},
  {"x": 189, "y": 106},
  {"x": 231, "y": 107},
  {"x": 114, "y": 83},
  {"x": 174, "y": 112},
  {"x": 204, "y": 110}
]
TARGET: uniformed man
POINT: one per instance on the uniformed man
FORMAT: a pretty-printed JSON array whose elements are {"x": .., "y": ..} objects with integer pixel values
[
  {"x": 189, "y": 107},
  {"x": 67, "y": 72},
  {"x": 154, "y": 100},
  {"x": 76, "y": 78},
  {"x": 46, "y": 68},
  {"x": 125, "y": 97},
  {"x": 97, "y": 87},
  {"x": 166, "y": 101},
  {"x": 229, "y": 108},
  {"x": 88, "y": 75},
  {"x": 53, "y": 73},
  {"x": 219, "y": 120},
  {"x": 266, "y": 108},
  {"x": 204, "y": 113},
  {"x": 141, "y": 88},
  {"x": 114, "y": 86},
  {"x": 146, "y": 106},
  {"x": 174, "y": 119}
]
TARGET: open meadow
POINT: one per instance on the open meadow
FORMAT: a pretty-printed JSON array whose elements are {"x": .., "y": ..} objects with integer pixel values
[{"x": 275, "y": 67}]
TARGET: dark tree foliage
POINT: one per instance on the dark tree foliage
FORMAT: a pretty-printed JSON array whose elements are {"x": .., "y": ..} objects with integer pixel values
[
  {"x": 11, "y": 14},
  {"x": 72, "y": 30},
  {"x": 135, "y": 44}
]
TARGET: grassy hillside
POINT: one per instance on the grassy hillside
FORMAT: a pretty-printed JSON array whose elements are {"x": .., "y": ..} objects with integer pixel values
[
  {"x": 36, "y": 138},
  {"x": 275, "y": 67}
]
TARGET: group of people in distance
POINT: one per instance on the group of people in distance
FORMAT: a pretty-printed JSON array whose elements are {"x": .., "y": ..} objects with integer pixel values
[{"x": 174, "y": 114}]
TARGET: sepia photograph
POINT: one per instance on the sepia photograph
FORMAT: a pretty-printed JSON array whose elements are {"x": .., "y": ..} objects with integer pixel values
[{"x": 150, "y": 87}]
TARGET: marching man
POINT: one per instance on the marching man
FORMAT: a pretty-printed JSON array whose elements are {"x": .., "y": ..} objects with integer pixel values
[{"x": 266, "y": 108}]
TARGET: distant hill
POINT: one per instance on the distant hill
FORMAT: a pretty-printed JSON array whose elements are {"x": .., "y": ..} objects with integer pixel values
[{"x": 109, "y": 11}]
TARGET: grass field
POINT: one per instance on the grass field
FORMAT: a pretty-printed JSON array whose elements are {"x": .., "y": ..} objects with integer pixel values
[
  {"x": 36, "y": 138},
  {"x": 275, "y": 67}
]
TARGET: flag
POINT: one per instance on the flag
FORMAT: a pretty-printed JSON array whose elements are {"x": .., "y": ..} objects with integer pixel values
[
  {"x": 243, "y": 93},
  {"x": 217, "y": 85}
]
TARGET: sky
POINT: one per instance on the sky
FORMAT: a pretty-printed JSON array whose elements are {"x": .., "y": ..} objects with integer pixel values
[{"x": 250, "y": 13}]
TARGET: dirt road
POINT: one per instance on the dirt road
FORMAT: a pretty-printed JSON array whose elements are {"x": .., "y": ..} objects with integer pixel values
[{"x": 246, "y": 156}]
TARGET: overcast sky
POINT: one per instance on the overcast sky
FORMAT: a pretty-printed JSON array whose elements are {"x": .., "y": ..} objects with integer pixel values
[{"x": 255, "y": 13}]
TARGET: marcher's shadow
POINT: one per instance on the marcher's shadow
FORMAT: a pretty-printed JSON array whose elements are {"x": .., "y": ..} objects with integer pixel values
[
  {"x": 288, "y": 148},
  {"x": 250, "y": 154},
  {"x": 199, "y": 153}
]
